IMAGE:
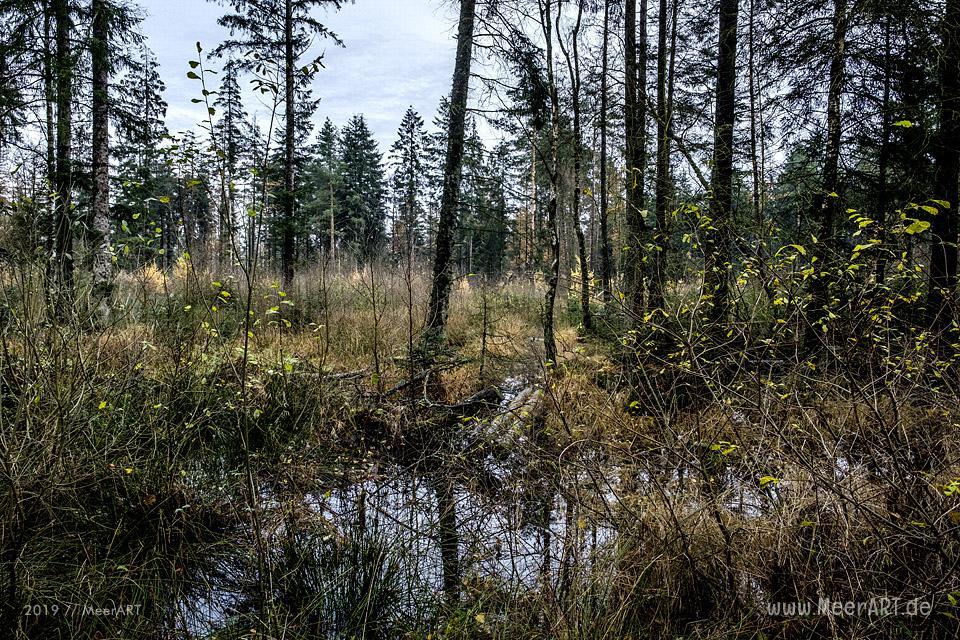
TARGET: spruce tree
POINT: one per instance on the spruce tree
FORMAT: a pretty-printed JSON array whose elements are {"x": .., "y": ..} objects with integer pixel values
[
  {"x": 407, "y": 182},
  {"x": 361, "y": 215}
]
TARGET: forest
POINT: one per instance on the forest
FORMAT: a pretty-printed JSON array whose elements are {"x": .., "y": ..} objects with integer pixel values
[{"x": 650, "y": 330}]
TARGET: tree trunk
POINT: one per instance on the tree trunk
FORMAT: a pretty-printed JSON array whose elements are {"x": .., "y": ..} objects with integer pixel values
[
  {"x": 943, "y": 257},
  {"x": 63, "y": 245},
  {"x": 827, "y": 203},
  {"x": 883, "y": 160},
  {"x": 662, "y": 184},
  {"x": 102, "y": 257},
  {"x": 605, "y": 253},
  {"x": 573, "y": 67},
  {"x": 717, "y": 244},
  {"x": 50, "y": 99},
  {"x": 440, "y": 289},
  {"x": 287, "y": 241},
  {"x": 553, "y": 276},
  {"x": 635, "y": 155}
]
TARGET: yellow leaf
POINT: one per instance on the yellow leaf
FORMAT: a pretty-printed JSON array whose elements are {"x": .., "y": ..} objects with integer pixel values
[{"x": 480, "y": 618}]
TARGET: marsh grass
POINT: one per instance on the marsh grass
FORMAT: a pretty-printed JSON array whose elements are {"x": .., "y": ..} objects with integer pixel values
[{"x": 153, "y": 461}]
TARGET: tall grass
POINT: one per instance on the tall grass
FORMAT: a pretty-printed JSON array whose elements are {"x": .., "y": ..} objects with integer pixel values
[{"x": 675, "y": 493}]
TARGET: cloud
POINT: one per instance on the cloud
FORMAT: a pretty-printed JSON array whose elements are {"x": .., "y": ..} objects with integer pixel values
[{"x": 398, "y": 53}]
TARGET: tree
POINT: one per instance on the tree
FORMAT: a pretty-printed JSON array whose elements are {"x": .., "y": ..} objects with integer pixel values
[
  {"x": 717, "y": 244},
  {"x": 62, "y": 281},
  {"x": 281, "y": 30},
  {"x": 606, "y": 257},
  {"x": 553, "y": 168},
  {"x": 943, "y": 256},
  {"x": 572, "y": 56},
  {"x": 229, "y": 130},
  {"x": 144, "y": 183},
  {"x": 362, "y": 183},
  {"x": 322, "y": 185},
  {"x": 103, "y": 259},
  {"x": 407, "y": 182},
  {"x": 827, "y": 206},
  {"x": 107, "y": 18},
  {"x": 635, "y": 156},
  {"x": 662, "y": 179},
  {"x": 442, "y": 277}
]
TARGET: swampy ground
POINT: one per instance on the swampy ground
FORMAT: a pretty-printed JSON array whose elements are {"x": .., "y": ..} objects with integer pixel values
[{"x": 225, "y": 462}]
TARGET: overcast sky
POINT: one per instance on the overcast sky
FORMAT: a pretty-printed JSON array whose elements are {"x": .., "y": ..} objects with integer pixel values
[{"x": 398, "y": 53}]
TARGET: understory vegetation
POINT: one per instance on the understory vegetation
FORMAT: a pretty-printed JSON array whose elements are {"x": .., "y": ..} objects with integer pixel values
[{"x": 291, "y": 482}]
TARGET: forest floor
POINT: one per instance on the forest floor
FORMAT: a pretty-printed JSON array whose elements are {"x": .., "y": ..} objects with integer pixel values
[{"x": 266, "y": 463}]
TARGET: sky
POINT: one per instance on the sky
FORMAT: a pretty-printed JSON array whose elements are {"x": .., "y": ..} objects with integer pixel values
[{"x": 397, "y": 53}]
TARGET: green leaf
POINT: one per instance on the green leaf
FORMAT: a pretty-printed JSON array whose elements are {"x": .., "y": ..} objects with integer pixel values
[
  {"x": 906, "y": 124},
  {"x": 192, "y": 75},
  {"x": 918, "y": 226},
  {"x": 194, "y": 64}
]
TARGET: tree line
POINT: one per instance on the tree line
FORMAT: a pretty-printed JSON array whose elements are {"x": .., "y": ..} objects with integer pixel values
[{"x": 638, "y": 147}]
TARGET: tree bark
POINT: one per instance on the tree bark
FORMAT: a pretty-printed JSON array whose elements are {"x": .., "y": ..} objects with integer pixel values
[
  {"x": 943, "y": 258},
  {"x": 826, "y": 206},
  {"x": 662, "y": 184},
  {"x": 573, "y": 67},
  {"x": 883, "y": 161},
  {"x": 553, "y": 276},
  {"x": 50, "y": 100},
  {"x": 442, "y": 277},
  {"x": 717, "y": 244},
  {"x": 100, "y": 162},
  {"x": 63, "y": 244},
  {"x": 635, "y": 155},
  {"x": 605, "y": 253}
]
